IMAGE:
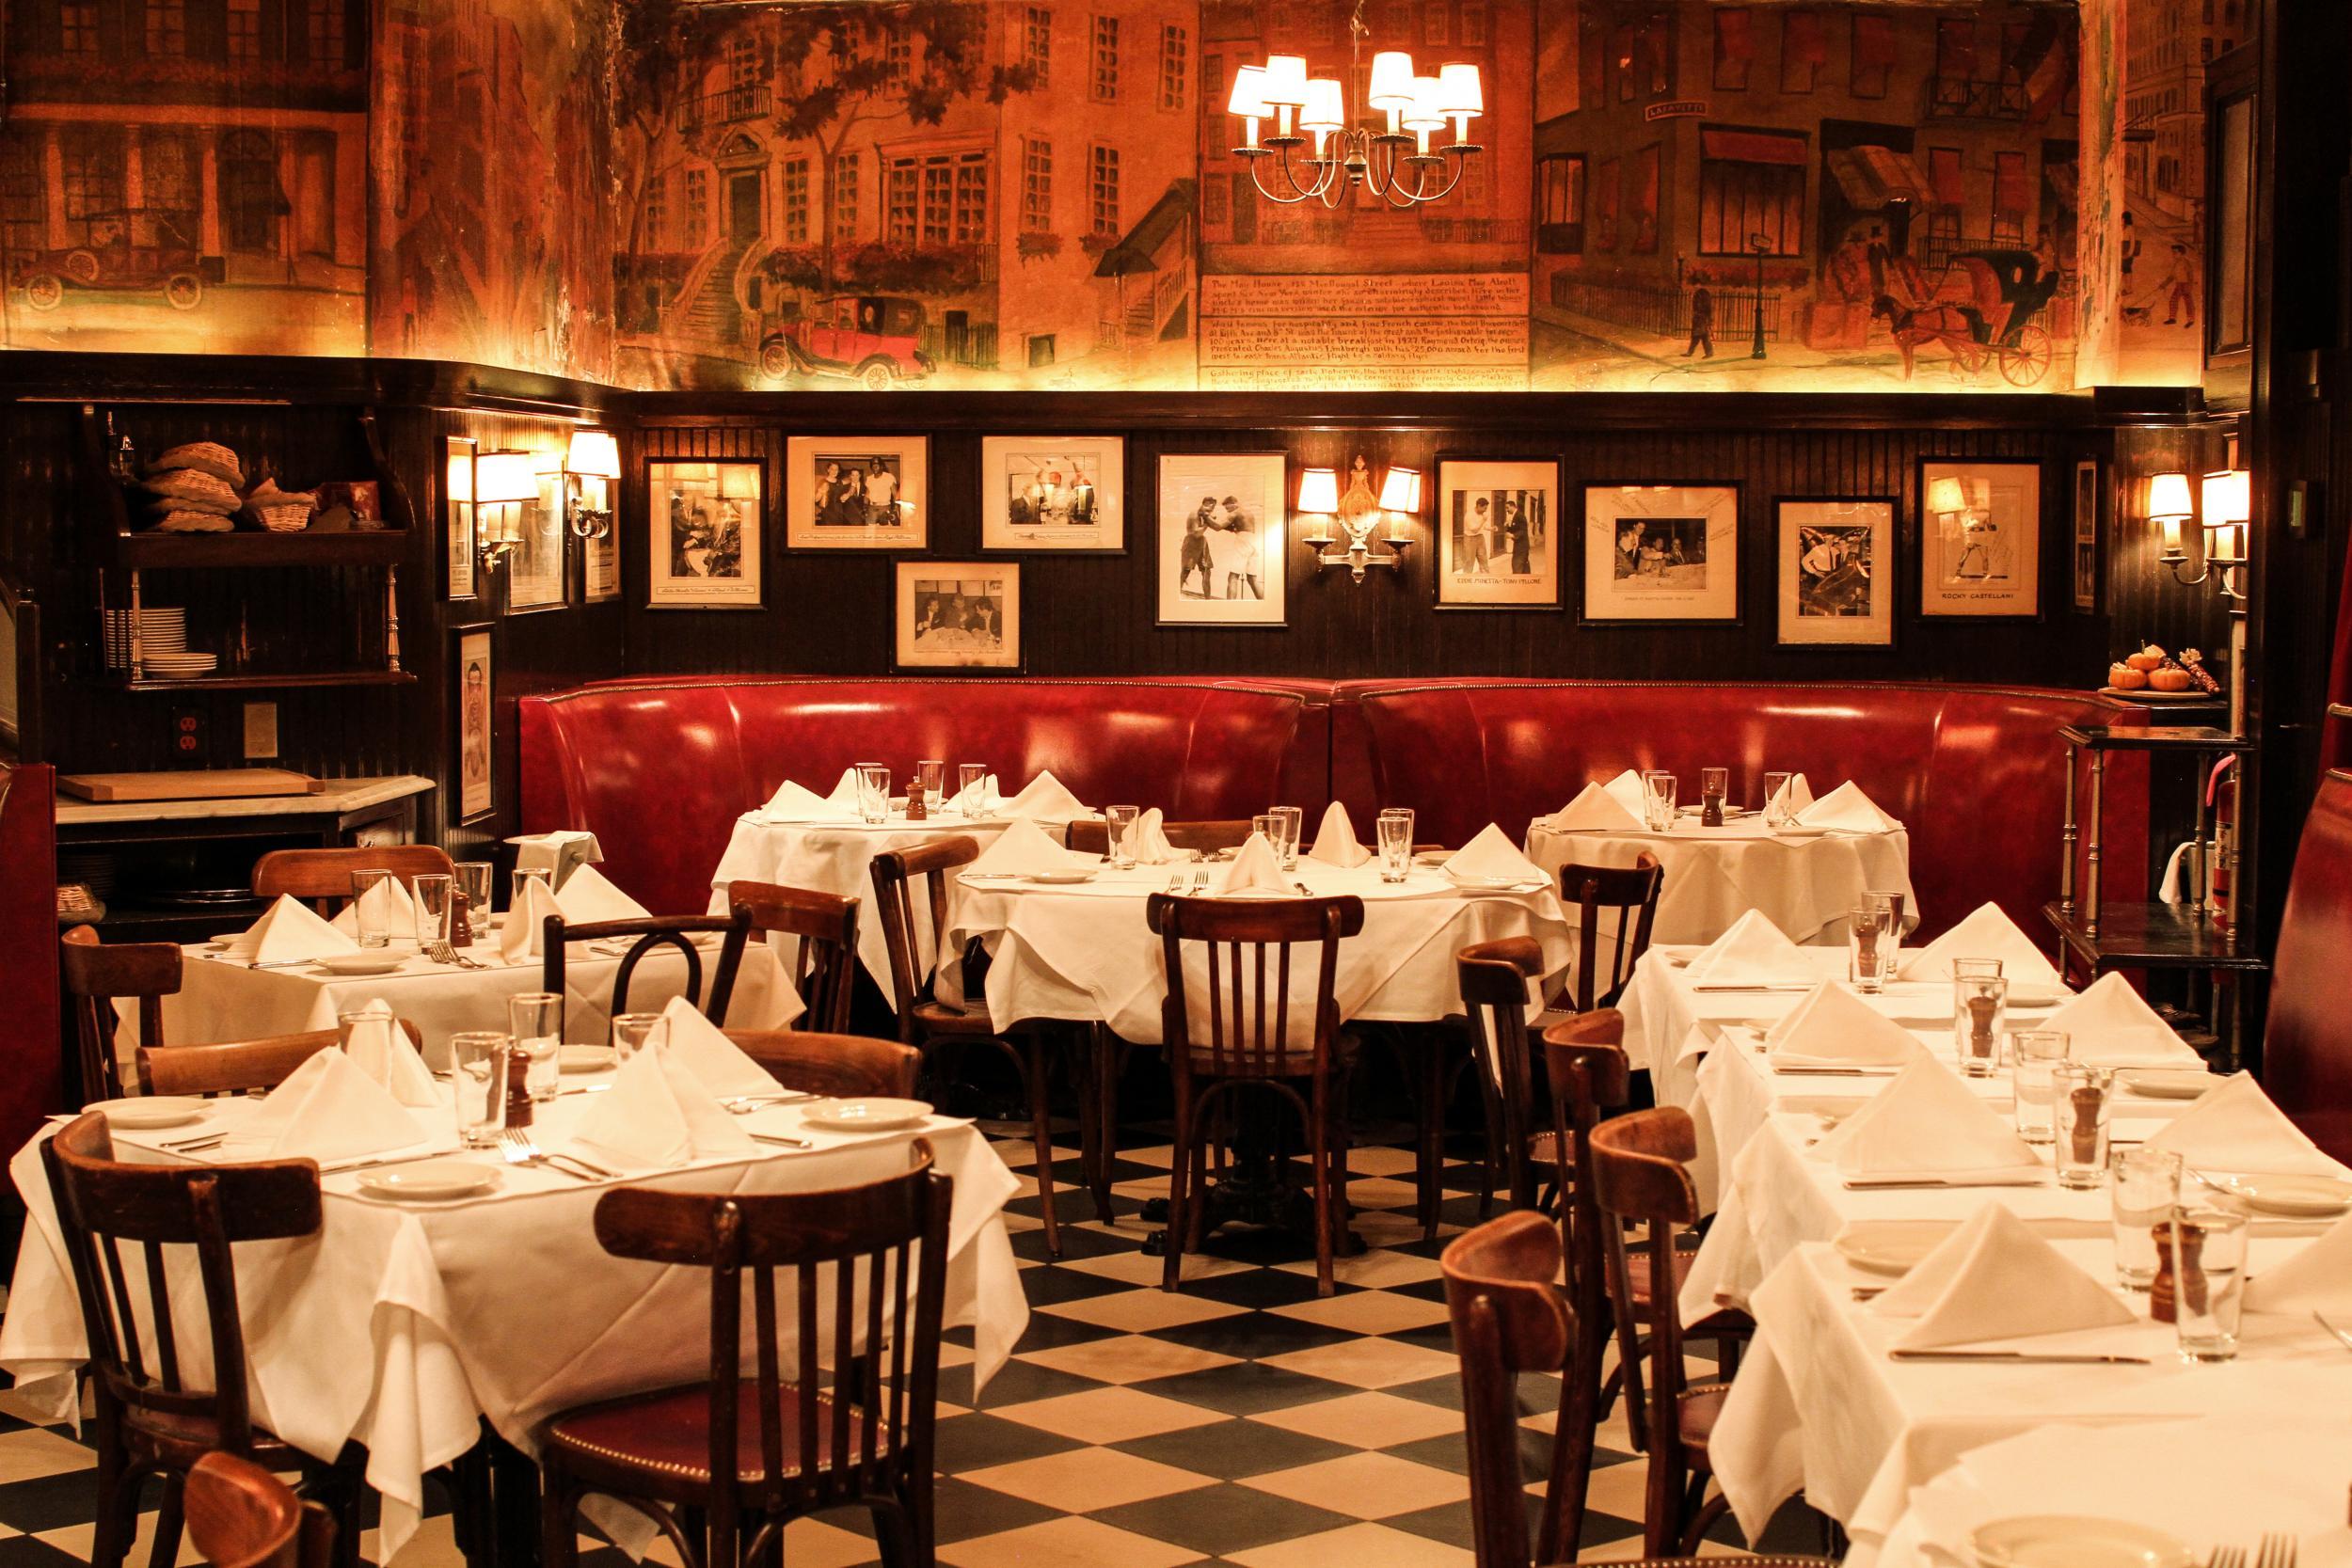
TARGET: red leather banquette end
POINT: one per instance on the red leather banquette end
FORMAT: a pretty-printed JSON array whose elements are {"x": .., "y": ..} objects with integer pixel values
[
  {"x": 1973, "y": 771},
  {"x": 2307, "y": 1043},
  {"x": 30, "y": 1081},
  {"x": 660, "y": 768}
]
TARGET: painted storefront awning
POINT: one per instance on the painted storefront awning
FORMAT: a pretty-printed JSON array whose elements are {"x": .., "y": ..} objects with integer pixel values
[
  {"x": 1750, "y": 147},
  {"x": 1871, "y": 177}
]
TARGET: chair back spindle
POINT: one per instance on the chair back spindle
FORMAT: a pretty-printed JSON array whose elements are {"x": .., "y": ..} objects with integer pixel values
[
  {"x": 645, "y": 936},
  {"x": 896, "y": 874},
  {"x": 1247, "y": 946},
  {"x": 1630, "y": 896},
  {"x": 94, "y": 974},
  {"x": 824, "y": 965},
  {"x": 1494, "y": 979}
]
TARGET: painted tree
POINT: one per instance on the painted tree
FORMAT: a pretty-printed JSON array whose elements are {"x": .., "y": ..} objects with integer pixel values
[{"x": 657, "y": 47}]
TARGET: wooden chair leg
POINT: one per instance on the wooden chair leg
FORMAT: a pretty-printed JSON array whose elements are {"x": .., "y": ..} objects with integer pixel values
[
  {"x": 110, "y": 1539},
  {"x": 1105, "y": 1083},
  {"x": 1039, "y": 1080},
  {"x": 559, "y": 1538},
  {"x": 1432, "y": 1134},
  {"x": 1326, "y": 1191},
  {"x": 169, "y": 1516},
  {"x": 1179, "y": 1203}
]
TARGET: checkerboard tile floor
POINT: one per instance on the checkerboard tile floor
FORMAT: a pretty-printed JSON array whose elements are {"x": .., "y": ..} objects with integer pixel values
[{"x": 1243, "y": 1421}]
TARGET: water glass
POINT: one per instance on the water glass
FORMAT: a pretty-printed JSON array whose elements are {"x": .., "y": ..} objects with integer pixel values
[
  {"x": 1867, "y": 948},
  {"x": 2081, "y": 1096},
  {"x": 2144, "y": 1187},
  {"x": 2032, "y": 1054},
  {"x": 873, "y": 793},
  {"x": 434, "y": 892},
  {"x": 971, "y": 782},
  {"x": 522, "y": 880},
  {"x": 474, "y": 880},
  {"x": 1294, "y": 823},
  {"x": 2208, "y": 1280},
  {"x": 1661, "y": 785},
  {"x": 1120, "y": 829},
  {"x": 930, "y": 777},
  {"x": 369, "y": 911},
  {"x": 1980, "y": 1010},
  {"x": 1395, "y": 830},
  {"x": 630, "y": 1031},
  {"x": 477, "y": 1059},
  {"x": 1714, "y": 784},
  {"x": 535, "y": 1020},
  {"x": 1269, "y": 827},
  {"x": 1777, "y": 802}
]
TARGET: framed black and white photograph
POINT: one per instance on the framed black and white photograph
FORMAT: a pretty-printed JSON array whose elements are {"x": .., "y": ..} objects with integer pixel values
[
  {"x": 1223, "y": 531},
  {"x": 706, "y": 537},
  {"x": 472, "y": 672},
  {"x": 1836, "y": 576},
  {"x": 959, "y": 615},
  {"x": 1980, "y": 539},
  {"x": 457, "y": 455},
  {"x": 534, "y": 570},
  {"x": 1661, "y": 552},
  {"x": 857, "y": 492},
  {"x": 1054, "y": 493},
  {"x": 1498, "y": 535},
  {"x": 2086, "y": 557}
]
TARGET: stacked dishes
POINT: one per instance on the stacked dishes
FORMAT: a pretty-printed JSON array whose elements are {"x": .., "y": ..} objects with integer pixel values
[
  {"x": 161, "y": 632},
  {"x": 178, "y": 667}
]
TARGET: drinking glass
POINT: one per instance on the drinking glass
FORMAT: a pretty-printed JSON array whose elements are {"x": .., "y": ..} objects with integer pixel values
[
  {"x": 2144, "y": 1187},
  {"x": 1661, "y": 785},
  {"x": 930, "y": 776},
  {"x": 1894, "y": 926},
  {"x": 1269, "y": 827},
  {"x": 2208, "y": 1280},
  {"x": 970, "y": 779},
  {"x": 523, "y": 880},
  {"x": 1776, "y": 813},
  {"x": 535, "y": 1020},
  {"x": 1395, "y": 830},
  {"x": 2033, "y": 1054},
  {"x": 1293, "y": 822},
  {"x": 1120, "y": 827},
  {"x": 367, "y": 906},
  {"x": 1866, "y": 947},
  {"x": 433, "y": 892},
  {"x": 477, "y": 1059},
  {"x": 873, "y": 793},
  {"x": 630, "y": 1031},
  {"x": 2080, "y": 1098},
  {"x": 1979, "y": 1008},
  {"x": 1714, "y": 784},
  {"x": 474, "y": 881}
]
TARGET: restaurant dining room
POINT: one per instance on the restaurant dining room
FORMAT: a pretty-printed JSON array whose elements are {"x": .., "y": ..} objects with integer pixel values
[{"x": 1132, "y": 784}]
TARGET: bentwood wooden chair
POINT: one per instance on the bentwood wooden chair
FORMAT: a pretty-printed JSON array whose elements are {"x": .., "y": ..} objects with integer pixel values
[
  {"x": 162, "y": 1403},
  {"x": 1247, "y": 1039},
  {"x": 824, "y": 965},
  {"x": 646, "y": 935},
  {"x": 1628, "y": 896},
  {"x": 848, "y": 1067},
  {"x": 94, "y": 974},
  {"x": 1495, "y": 979},
  {"x": 322, "y": 877},
  {"x": 735, "y": 1458},
  {"x": 234, "y": 1067},
  {"x": 932, "y": 1024},
  {"x": 1091, "y": 836},
  {"x": 242, "y": 1516}
]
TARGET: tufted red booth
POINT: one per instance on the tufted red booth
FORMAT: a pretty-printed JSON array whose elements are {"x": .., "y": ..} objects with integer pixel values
[
  {"x": 2306, "y": 1044},
  {"x": 30, "y": 1081},
  {"x": 690, "y": 755},
  {"x": 1970, "y": 769}
]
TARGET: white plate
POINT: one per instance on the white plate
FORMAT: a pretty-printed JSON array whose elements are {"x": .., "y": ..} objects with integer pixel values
[
  {"x": 142, "y": 1112},
  {"x": 587, "y": 1058},
  {"x": 1059, "y": 878},
  {"x": 865, "y": 1116},
  {"x": 2166, "y": 1083},
  {"x": 2300, "y": 1198},
  {"x": 2076, "y": 1541},
  {"x": 1891, "y": 1246},
  {"x": 360, "y": 963},
  {"x": 429, "y": 1180},
  {"x": 1495, "y": 883},
  {"x": 225, "y": 939}
]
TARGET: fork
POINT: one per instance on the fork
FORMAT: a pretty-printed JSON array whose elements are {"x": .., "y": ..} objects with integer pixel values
[
  {"x": 520, "y": 1149},
  {"x": 2226, "y": 1557},
  {"x": 1200, "y": 882},
  {"x": 2277, "y": 1551},
  {"x": 442, "y": 953},
  {"x": 1176, "y": 885}
]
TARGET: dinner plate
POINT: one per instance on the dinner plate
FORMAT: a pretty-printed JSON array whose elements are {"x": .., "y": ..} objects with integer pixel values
[
  {"x": 429, "y": 1180},
  {"x": 2076, "y": 1541},
  {"x": 2300, "y": 1198},
  {"x": 1497, "y": 884},
  {"x": 2166, "y": 1083},
  {"x": 153, "y": 1110},
  {"x": 1891, "y": 1246},
  {"x": 865, "y": 1116},
  {"x": 1059, "y": 878},
  {"x": 360, "y": 963},
  {"x": 587, "y": 1058}
]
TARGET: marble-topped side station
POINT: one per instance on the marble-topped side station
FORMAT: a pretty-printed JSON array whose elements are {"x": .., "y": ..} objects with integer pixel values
[{"x": 341, "y": 795}]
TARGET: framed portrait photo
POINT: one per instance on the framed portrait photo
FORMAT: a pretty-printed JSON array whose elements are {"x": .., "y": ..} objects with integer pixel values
[
  {"x": 1498, "y": 535},
  {"x": 458, "y": 453},
  {"x": 1980, "y": 539},
  {"x": 1054, "y": 493},
  {"x": 1661, "y": 552},
  {"x": 706, "y": 538},
  {"x": 857, "y": 492},
  {"x": 535, "y": 568},
  {"x": 472, "y": 672},
  {"x": 1222, "y": 531},
  {"x": 1836, "y": 576},
  {"x": 958, "y": 615},
  {"x": 2084, "y": 560}
]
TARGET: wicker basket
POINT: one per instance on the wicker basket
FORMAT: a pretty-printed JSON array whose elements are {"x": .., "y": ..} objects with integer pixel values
[{"x": 284, "y": 516}]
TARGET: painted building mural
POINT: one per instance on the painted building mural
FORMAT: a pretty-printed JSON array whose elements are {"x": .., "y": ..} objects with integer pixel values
[{"x": 1675, "y": 193}]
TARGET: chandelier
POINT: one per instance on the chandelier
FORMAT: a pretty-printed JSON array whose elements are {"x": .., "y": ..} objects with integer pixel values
[{"x": 1397, "y": 164}]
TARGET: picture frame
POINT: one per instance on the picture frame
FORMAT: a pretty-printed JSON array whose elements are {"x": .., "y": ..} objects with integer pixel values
[
  {"x": 957, "y": 615},
  {"x": 706, "y": 533},
  {"x": 1224, "y": 519},
  {"x": 1662, "y": 554},
  {"x": 1060, "y": 493},
  {"x": 1490, "y": 511},
  {"x": 1834, "y": 571},
  {"x": 460, "y": 577},
  {"x": 600, "y": 567},
  {"x": 473, "y": 688},
  {"x": 857, "y": 492},
  {"x": 537, "y": 578},
  {"x": 2086, "y": 556},
  {"x": 1983, "y": 560}
]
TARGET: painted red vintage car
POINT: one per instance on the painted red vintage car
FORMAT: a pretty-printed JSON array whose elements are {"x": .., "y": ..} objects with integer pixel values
[
  {"x": 114, "y": 259},
  {"x": 872, "y": 339}
]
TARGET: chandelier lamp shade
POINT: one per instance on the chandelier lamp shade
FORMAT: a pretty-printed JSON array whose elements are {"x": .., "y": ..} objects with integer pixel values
[{"x": 1303, "y": 143}]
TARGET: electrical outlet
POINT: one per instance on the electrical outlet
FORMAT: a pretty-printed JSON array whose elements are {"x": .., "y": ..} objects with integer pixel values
[
  {"x": 261, "y": 730},
  {"x": 187, "y": 737}
]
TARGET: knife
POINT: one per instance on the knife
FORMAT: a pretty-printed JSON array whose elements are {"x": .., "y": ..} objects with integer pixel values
[
  {"x": 2036, "y": 1358},
  {"x": 784, "y": 1142}
]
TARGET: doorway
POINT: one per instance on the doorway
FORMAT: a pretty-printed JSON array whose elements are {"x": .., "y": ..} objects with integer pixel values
[{"x": 742, "y": 208}]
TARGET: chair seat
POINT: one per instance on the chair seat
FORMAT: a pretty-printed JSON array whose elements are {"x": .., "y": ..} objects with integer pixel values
[
  {"x": 658, "y": 1443},
  {"x": 1637, "y": 1274},
  {"x": 1702, "y": 1404},
  {"x": 1345, "y": 1046},
  {"x": 938, "y": 1018},
  {"x": 178, "y": 1439}
]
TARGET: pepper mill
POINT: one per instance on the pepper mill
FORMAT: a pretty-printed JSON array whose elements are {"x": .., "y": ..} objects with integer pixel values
[
  {"x": 918, "y": 800},
  {"x": 517, "y": 1088},
  {"x": 2164, "y": 1291},
  {"x": 460, "y": 925}
]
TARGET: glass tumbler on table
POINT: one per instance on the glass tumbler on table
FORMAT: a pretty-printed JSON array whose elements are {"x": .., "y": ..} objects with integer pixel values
[
  {"x": 1714, "y": 784},
  {"x": 971, "y": 789},
  {"x": 474, "y": 881},
  {"x": 1893, "y": 927},
  {"x": 535, "y": 1020},
  {"x": 1293, "y": 822},
  {"x": 1118, "y": 829},
  {"x": 1776, "y": 812},
  {"x": 1660, "y": 787},
  {"x": 930, "y": 777},
  {"x": 2081, "y": 1098},
  {"x": 2032, "y": 1054},
  {"x": 368, "y": 900},
  {"x": 873, "y": 793},
  {"x": 520, "y": 883},
  {"x": 1393, "y": 830},
  {"x": 1979, "y": 1008},
  {"x": 1269, "y": 827},
  {"x": 1866, "y": 947},
  {"x": 630, "y": 1031},
  {"x": 2208, "y": 1280},
  {"x": 434, "y": 892},
  {"x": 477, "y": 1059},
  {"x": 2143, "y": 1187}
]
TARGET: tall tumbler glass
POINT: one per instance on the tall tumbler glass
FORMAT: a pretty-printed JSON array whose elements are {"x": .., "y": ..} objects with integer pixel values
[
  {"x": 971, "y": 789},
  {"x": 930, "y": 777},
  {"x": 2208, "y": 1281},
  {"x": 2033, "y": 1054},
  {"x": 1393, "y": 828},
  {"x": 519, "y": 883},
  {"x": 535, "y": 1018},
  {"x": 1895, "y": 904},
  {"x": 873, "y": 793},
  {"x": 1119, "y": 828},
  {"x": 373, "y": 908},
  {"x": 434, "y": 892},
  {"x": 1660, "y": 786},
  {"x": 1777, "y": 803},
  {"x": 2143, "y": 1185},
  {"x": 1714, "y": 786},
  {"x": 1294, "y": 823},
  {"x": 2081, "y": 1098},
  {"x": 1866, "y": 947},
  {"x": 1979, "y": 1008},
  {"x": 477, "y": 1072},
  {"x": 474, "y": 881},
  {"x": 630, "y": 1031}
]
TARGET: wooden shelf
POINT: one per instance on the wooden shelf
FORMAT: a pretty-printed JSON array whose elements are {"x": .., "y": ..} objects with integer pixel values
[
  {"x": 203, "y": 551},
  {"x": 2155, "y": 737},
  {"x": 2153, "y": 935},
  {"x": 263, "y": 682}
]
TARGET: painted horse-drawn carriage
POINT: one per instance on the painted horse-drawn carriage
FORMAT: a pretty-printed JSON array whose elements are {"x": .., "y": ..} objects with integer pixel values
[{"x": 1984, "y": 311}]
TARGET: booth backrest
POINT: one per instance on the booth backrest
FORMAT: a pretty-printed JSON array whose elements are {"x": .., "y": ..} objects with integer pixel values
[
  {"x": 660, "y": 768},
  {"x": 2306, "y": 1044},
  {"x": 31, "y": 1080}
]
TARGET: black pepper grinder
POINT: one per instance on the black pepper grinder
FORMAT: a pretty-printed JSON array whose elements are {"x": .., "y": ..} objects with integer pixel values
[{"x": 517, "y": 1088}]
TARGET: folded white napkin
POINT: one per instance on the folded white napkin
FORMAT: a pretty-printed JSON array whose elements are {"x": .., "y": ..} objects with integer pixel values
[
  {"x": 290, "y": 929},
  {"x": 1336, "y": 843},
  {"x": 1596, "y": 809},
  {"x": 1927, "y": 1126},
  {"x": 379, "y": 1047},
  {"x": 388, "y": 907},
  {"x": 718, "y": 1061},
  {"x": 1492, "y": 856},
  {"x": 1255, "y": 872},
  {"x": 590, "y": 896},
  {"x": 522, "y": 933},
  {"x": 2112, "y": 1025},
  {"x": 1834, "y": 1027},
  {"x": 1045, "y": 799},
  {"x": 1796, "y": 794},
  {"x": 2235, "y": 1128},
  {"x": 1996, "y": 1279},
  {"x": 2317, "y": 1279},
  {"x": 1848, "y": 808},
  {"x": 1629, "y": 791},
  {"x": 1151, "y": 839},
  {"x": 1754, "y": 953},
  {"x": 1987, "y": 933},
  {"x": 1024, "y": 847},
  {"x": 559, "y": 853},
  {"x": 659, "y": 1113},
  {"x": 975, "y": 799},
  {"x": 796, "y": 803},
  {"x": 327, "y": 1110}
]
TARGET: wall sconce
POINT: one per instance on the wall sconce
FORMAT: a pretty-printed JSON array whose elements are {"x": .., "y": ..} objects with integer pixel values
[
  {"x": 2169, "y": 507},
  {"x": 502, "y": 480},
  {"x": 593, "y": 455},
  {"x": 2228, "y": 509},
  {"x": 1358, "y": 513}
]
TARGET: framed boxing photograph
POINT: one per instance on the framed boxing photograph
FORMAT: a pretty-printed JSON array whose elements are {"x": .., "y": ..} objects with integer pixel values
[{"x": 1834, "y": 571}]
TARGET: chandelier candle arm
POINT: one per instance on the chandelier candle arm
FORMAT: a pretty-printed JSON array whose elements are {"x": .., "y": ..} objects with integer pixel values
[{"x": 1345, "y": 153}]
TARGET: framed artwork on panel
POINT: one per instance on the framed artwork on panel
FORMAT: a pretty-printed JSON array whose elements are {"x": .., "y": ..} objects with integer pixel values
[
  {"x": 958, "y": 615},
  {"x": 1223, "y": 531},
  {"x": 472, "y": 671},
  {"x": 1054, "y": 493},
  {"x": 707, "y": 539},
  {"x": 1661, "y": 552},
  {"x": 857, "y": 492},
  {"x": 1980, "y": 539},
  {"x": 1498, "y": 535},
  {"x": 2086, "y": 556},
  {"x": 457, "y": 452},
  {"x": 534, "y": 568},
  {"x": 1835, "y": 571}
]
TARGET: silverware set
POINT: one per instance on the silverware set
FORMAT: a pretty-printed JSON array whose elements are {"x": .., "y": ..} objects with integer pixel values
[
  {"x": 520, "y": 1149},
  {"x": 744, "y": 1105},
  {"x": 1177, "y": 887},
  {"x": 442, "y": 953},
  {"x": 2275, "y": 1550}
]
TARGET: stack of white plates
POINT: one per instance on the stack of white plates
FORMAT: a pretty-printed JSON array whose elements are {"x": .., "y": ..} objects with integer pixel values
[
  {"x": 178, "y": 667},
  {"x": 161, "y": 631}
]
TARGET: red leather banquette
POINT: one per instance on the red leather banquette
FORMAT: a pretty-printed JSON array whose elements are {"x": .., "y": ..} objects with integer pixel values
[{"x": 2307, "y": 1043}]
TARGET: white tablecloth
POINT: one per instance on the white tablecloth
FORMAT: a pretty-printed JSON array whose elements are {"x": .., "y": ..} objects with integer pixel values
[
  {"x": 400, "y": 1324},
  {"x": 1804, "y": 885}
]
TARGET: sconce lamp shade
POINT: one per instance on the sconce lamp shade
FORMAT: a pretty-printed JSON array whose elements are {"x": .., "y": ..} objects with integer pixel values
[
  {"x": 504, "y": 475},
  {"x": 2168, "y": 496},
  {"x": 1423, "y": 113},
  {"x": 1324, "y": 111},
  {"x": 1319, "y": 492},
  {"x": 2228, "y": 498},
  {"x": 1249, "y": 95},
  {"x": 1286, "y": 80},
  {"x": 1400, "y": 491},
  {"x": 594, "y": 452},
  {"x": 1459, "y": 92},
  {"x": 1391, "y": 80},
  {"x": 738, "y": 482},
  {"x": 1946, "y": 494}
]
